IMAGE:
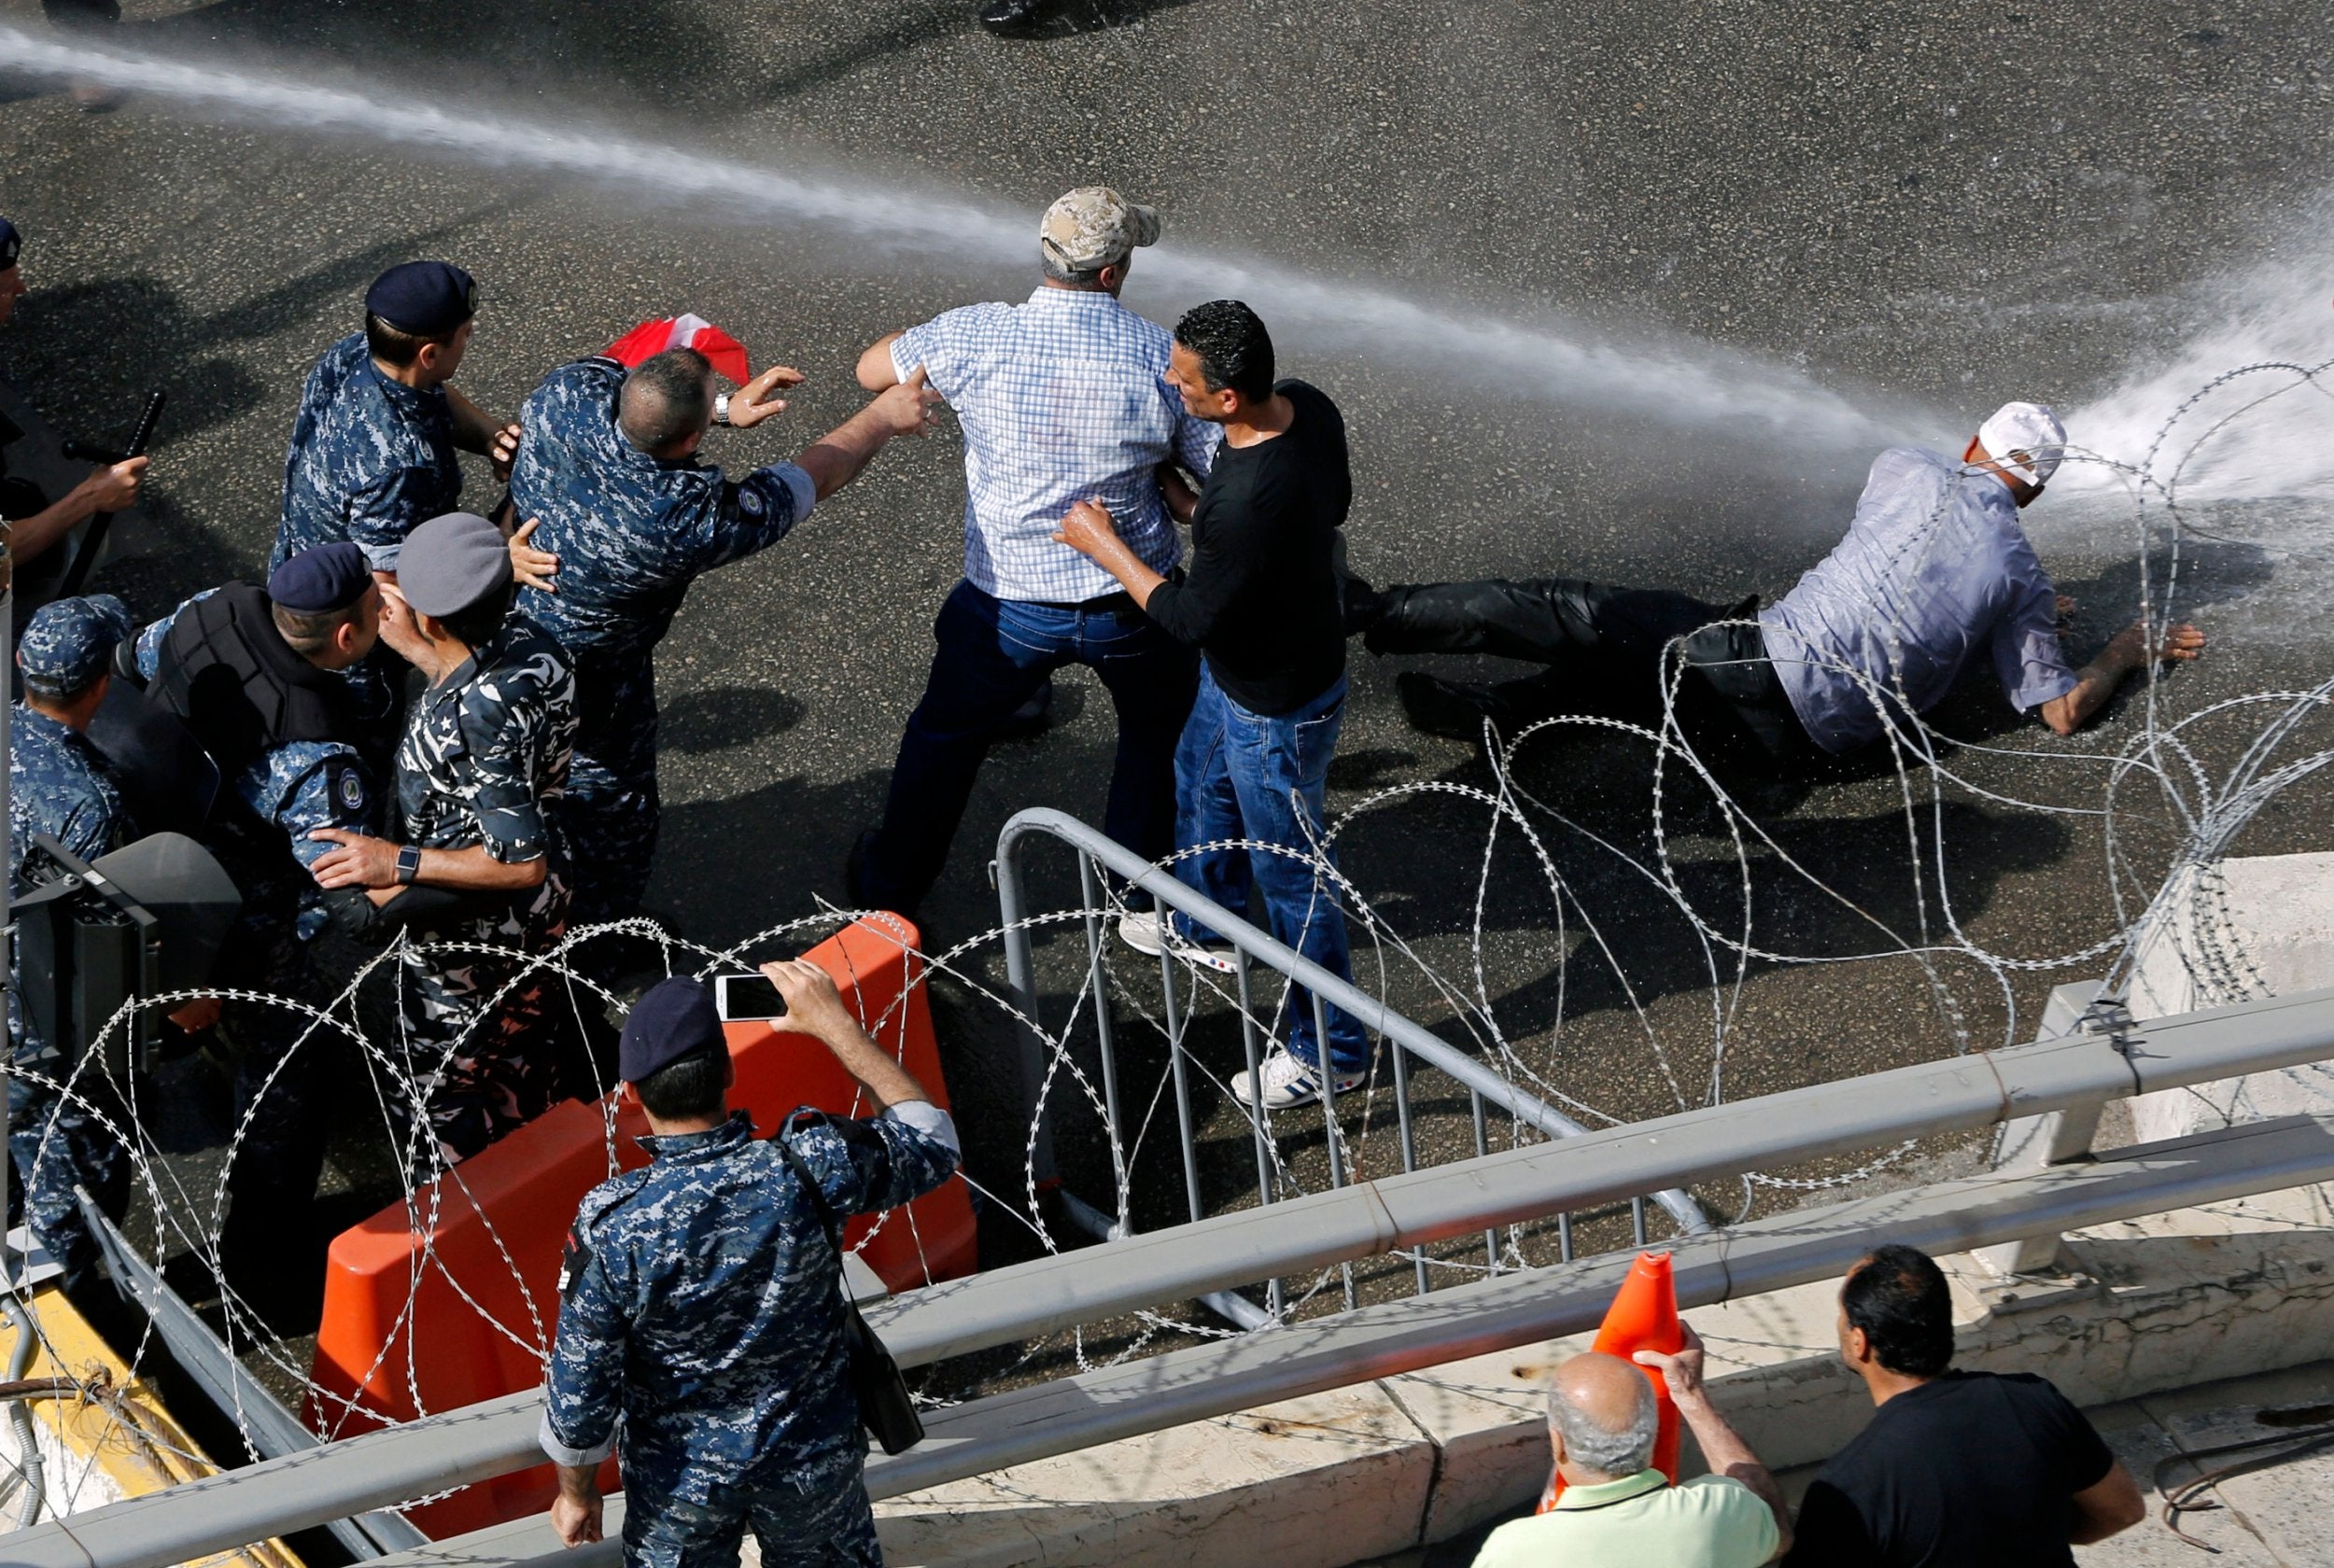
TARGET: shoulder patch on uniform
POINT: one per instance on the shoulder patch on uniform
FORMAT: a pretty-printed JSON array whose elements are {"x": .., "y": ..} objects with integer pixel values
[
  {"x": 749, "y": 502},
  {"x": 345, "y": 779}
]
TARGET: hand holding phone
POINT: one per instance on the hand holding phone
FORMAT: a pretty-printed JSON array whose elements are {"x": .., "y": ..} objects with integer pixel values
[{"x": 744, "y": 998}]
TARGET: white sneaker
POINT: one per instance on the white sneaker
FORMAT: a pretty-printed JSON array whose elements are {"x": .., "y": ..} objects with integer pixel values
[
  {"x": 1147, "y": 933},
  {"x": 1288, "y": 1082}
]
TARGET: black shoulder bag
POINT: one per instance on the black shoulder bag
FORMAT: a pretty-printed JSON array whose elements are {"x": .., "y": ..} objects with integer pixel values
[{"x": 885, "y": 1409}]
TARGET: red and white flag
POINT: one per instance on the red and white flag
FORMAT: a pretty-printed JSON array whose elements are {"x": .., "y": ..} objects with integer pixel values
[{"x": 684, "y": 331}]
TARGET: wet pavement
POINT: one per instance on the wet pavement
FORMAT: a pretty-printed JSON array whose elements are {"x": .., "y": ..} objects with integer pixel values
[{"x": 1921, "y": 211}]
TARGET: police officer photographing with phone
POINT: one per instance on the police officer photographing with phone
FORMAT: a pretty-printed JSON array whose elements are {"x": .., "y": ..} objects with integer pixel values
[{"x": 702, "y": 1301}]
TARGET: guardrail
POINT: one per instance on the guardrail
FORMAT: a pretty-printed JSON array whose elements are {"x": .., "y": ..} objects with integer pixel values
[
  {"x": 1410, "y": 1045},
  {"x": 2073, "y": 1073}
]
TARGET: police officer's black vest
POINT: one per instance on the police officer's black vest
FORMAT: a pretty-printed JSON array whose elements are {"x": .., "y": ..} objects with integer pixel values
[{"x": 228, "y": 674}]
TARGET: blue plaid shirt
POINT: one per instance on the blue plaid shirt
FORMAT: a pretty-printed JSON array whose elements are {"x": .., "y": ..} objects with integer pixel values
[{"x": 1062, "y": 398}]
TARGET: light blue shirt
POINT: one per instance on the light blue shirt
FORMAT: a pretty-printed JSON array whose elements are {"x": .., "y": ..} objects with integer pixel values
[
  {"x": 1062, "y": 398},
  {"x": 1933, "y": 569}
]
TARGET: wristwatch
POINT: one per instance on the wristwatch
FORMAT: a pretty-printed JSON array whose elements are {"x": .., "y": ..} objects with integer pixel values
[
  {"x": 720, "y": 409},
  {"x": 408, "y": 863}
]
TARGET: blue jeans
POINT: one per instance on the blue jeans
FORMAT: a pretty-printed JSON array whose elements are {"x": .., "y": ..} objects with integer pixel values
[
  {"x": 993, "y": 655},
  {"x": 1241, "y": 775}
]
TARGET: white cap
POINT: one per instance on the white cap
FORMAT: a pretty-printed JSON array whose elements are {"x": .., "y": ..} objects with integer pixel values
[{"x": 2025, "y": 430}]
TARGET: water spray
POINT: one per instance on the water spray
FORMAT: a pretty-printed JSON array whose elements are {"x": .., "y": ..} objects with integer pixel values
[{"x": 1673, "y": 384}]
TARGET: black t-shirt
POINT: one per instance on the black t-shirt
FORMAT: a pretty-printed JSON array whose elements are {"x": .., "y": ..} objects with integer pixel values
[
  {"x": 1972, "y": 1470},
  {"x": 1260, "y": 598}
]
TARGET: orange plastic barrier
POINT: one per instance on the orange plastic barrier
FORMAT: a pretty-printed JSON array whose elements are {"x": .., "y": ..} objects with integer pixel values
[
  {"x": 454, "y": 1299},
  {"x": 1643, "y": 1317}
]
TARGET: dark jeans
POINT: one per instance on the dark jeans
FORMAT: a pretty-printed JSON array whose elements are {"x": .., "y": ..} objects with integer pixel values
[
  {"x": 993, "y": 655},
  {"x": 1603, "y": 647},
  {"x": 1242, "y": 774}
]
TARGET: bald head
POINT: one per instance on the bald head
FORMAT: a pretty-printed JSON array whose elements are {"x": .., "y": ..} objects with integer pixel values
[
  {"x": 1603, "y": 1408},
  {"x": 667, "y": 402}
]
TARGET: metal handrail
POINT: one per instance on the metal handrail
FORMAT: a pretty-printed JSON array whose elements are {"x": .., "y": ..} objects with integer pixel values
[
  {"x": 2079, "y": 1071},
  {"x": 1343, "y": 994}
]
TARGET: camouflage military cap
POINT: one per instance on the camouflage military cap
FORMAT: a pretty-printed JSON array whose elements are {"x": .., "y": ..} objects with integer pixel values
[
  {"x": 1094, "y": 226},
  {"x": 11, "y": 243},
  {"x": 67, "y": 643}
]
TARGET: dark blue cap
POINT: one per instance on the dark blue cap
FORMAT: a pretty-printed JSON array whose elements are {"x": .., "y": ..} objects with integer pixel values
[
  {"x": 322, "y": 578},
  {"x": 674, "y": 1019},
  {"x": 12, "y": 243},
  {"x": 68, "y": 643},
  {"x": 426, "y": 299}
]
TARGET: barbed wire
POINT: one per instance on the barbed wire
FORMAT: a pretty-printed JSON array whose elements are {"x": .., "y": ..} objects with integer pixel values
[{"x": 2159, "y": 896}]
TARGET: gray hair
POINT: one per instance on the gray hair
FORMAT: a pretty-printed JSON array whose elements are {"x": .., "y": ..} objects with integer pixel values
[
  {"x": 668, "y": 398},
  {"x": 1614, "y": 1453}
]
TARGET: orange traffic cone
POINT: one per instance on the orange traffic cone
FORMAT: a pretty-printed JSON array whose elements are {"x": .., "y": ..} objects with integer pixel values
[{"x": 1643, "y": 1317}]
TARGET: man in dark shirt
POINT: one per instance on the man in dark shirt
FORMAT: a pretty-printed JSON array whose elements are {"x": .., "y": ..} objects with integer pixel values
[
  {"x": 1261, "y": 601},
  {"x": 1957, "y": 1469}
]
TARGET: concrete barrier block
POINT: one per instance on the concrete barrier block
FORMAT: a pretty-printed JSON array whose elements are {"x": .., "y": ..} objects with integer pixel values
[
  {"x": 1488, "y": 1416},
  {"x": 1312, "y": 1483},
  {"x": 2250, "y": 926}
]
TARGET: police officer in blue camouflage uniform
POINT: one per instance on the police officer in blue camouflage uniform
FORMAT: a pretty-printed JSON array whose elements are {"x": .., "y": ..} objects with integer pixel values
[
  {"x": 59, "y": 784},
  {"x": 479, "y": 774},
  {"x": 702, "y": 1303},
  {"x": 372, "y": 454},
  {"x": 608, "y": 477},
  {"x": 257, "y": 678}
]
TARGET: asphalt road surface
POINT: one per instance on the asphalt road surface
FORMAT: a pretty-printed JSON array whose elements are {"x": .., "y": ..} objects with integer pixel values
[{"x": 1906, "y": 212}]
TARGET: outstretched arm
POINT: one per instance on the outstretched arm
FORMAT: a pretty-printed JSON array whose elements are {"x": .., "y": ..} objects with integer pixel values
[
  {"x": 114, "y": 488},
  {"x": 2126, "y": 652},
  {"x": 1721, "y": 1447},
  {"x": 907, "y": 409}
]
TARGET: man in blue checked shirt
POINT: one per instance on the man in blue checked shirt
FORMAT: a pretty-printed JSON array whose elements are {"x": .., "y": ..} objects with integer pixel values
[{"x": 1063, "y": 398}]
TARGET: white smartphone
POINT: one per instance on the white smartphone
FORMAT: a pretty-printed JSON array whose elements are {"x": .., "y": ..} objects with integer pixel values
[{"x": 741, "y": 998}]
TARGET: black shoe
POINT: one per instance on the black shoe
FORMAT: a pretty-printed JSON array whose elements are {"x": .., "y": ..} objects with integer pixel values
[
  {"x": 1015, "y": 16},
  {"x": 1438, "y": 707}
]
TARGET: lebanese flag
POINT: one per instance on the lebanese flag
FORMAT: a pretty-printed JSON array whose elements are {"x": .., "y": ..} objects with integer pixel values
[{"x": 684, "y": 331}]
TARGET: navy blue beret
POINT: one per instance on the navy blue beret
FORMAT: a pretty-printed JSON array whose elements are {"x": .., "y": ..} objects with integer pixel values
[
  {"x": 426, "y": 299},
  {"x": 322, "y": 578},
  {"x": 10, "y": 244},
  {"x": 674, "y": 1019}
]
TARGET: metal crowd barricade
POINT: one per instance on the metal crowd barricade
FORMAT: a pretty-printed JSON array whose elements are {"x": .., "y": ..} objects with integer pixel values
[
  {"x": 1408, "y": 1045},
  {"x": 2073, "y": 1073}
]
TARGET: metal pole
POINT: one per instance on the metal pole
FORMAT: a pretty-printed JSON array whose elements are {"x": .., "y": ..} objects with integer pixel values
[
  {"x": 1371, "y": 1011},
  {"x": 1176, "y": 1071},
  {"x": 1087, "y": 891},
  {"x": 1022, "y": 980}
]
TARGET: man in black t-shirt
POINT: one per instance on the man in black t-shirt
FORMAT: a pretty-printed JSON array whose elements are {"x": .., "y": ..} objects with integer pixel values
[
  {"x": 1957, "y": 1469},
  {"x": 1262, "y": 601}
]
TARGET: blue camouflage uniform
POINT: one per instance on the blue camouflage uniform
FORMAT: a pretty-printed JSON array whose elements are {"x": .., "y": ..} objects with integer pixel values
[
  {"x": 631, "y": 532},
  {"x": 371, "y": 460},
  {"x": 281, "y": 1057},
  {"x": 484, "y": 761},
  {"x": 58, "y": 784},
  {"x": 703, "y": 1303}
]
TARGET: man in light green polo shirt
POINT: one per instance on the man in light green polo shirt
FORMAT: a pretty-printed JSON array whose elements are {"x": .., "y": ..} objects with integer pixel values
[{"x": 1616, "y": 1509}]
